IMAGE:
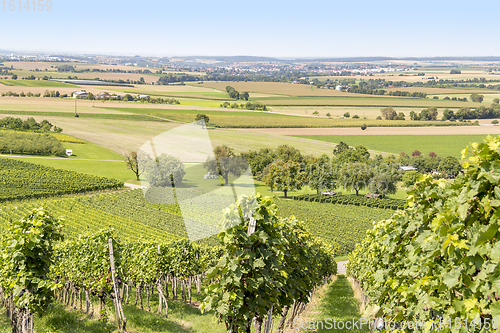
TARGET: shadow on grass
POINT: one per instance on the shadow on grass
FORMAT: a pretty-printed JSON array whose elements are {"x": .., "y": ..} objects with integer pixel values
[
  {"x": 57, "y": 319},
  {"x": 138, "y": 319},
  {"x": 340, "y": 304}
]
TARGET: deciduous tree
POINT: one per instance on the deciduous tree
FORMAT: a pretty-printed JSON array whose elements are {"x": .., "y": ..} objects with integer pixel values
[
  {"x": 286, "y": 176},
  {"x": 224, "y": 163}
]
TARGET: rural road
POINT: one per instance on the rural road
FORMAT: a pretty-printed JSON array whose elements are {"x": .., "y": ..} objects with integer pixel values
[{"x": 341, "y": 267}]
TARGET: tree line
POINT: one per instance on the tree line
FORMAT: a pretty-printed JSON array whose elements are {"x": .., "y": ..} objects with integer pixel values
[
  {"x": 29, "y": 125},
  {"x": 286, "y": 169}
]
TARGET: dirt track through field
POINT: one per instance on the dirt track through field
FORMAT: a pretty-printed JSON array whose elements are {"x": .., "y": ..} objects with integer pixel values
[{"x": 436, "y": 130}]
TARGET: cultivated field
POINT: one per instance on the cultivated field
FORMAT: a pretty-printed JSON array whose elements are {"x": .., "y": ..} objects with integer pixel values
[
  {"x": 437, "y": 130},
  {"x": 442, "y": 145}
]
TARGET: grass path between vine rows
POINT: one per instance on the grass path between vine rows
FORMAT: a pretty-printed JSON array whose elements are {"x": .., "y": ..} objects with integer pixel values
[{"x": 333, "y": 301}]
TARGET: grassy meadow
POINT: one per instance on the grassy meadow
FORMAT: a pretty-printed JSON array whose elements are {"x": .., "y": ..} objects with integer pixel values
[{"x": 442, "y": 145}]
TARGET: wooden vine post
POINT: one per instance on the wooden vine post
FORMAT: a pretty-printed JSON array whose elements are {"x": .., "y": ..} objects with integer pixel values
[{"x": 118, "y": 306}]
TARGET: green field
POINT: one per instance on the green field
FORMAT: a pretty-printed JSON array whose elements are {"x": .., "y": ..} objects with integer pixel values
[
  {"x": 91, "y": 151},
  {"x": 37, "y": 83},
  {"x": 442, "y": 145},
  {"x": 263, "y": 119}
]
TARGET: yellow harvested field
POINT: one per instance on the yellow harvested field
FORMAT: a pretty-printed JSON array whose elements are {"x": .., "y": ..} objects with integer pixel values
[
  {"x": 48, "y": 65},
  {"x": 176, "y": 88},
  {"x": 436, "y": 130},
  {"x": 68, "y": 104},
  {"x": 437, "y": 91},
  {"x": 35, "y": 90},
  {"x": 116, "y": 76},
  {"x": 30, "y": 65},
  {"x": 412, "y": 77}
]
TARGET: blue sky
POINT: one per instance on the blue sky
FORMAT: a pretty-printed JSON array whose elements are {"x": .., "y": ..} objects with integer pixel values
[{"x": 260, "y": 28}]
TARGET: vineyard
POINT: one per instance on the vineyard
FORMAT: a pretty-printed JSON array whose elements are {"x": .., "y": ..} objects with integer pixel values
[
  {"x": 437, "y": 262},
  {"x": 79, "y": 217},
  {"x": 23, "y": 180},
  {"x": 345, "y": 225},
  {"x": 393, "y": 204},
  {"x": 132, "y": 216},
  {"x": 265, "y": 267}
]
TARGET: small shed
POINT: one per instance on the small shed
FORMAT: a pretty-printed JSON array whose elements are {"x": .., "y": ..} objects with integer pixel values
[
  {"x": 81, "y": 94},
  {"x": 407, "y": 168}
]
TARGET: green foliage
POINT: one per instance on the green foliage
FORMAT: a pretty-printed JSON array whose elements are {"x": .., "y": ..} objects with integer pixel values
[
  {"x": 439, "y": 258},
  {"x": 340, "y": 148},
  {"x": 411, "y": 177},
  {"x": 320, "y": 175},
  {"x": 285, "y": 176},
  {"x": 163, "y": 171},
  {"x": 355, "y": 176},
  {"x": 30, "y": 124},
  {"x": 477, "y": 98},
  {"x": 450, "y": 165},
  {"x": 85, "y": 262},
  {"x": 22, "y": 180},
  {"x": 359, "y": 154},
  {"x": 203, "y": 117},
  {"x": 232, "y": 92},
  {"x": 389, "y": 113},
  {"x": 272, "y": 267},
  {"x": 26, "y": 256},
  {"x": 30, "y": 144},
  {"x": 347, "y": 115},
  {"x": 382, "y": 184},
  {"x": 225, "y": 162},
  {"x": 455, "y": 71}
]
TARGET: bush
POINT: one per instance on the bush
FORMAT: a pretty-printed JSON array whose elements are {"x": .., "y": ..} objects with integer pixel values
[
  {"x": 494, "y": 122},
  {"x": 355, "y": 116},
  {"x": 410, "y": 178}
]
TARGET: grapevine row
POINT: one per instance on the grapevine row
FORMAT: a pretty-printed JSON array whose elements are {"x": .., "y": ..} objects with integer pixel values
[{"x": 438, "y": 261}]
